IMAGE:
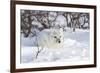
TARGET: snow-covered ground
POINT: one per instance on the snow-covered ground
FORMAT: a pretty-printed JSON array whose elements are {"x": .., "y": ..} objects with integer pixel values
[{"x": 75, "y": 47}]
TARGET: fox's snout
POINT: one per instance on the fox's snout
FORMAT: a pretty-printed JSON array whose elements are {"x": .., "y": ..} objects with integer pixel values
[{"x": 58, "y": 40}]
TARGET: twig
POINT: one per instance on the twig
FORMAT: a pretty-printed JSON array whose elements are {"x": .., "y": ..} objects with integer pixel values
[{"x": 39, "y": 50}]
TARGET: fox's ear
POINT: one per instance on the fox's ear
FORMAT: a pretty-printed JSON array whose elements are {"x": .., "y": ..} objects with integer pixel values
[{"x": 54, "y": 32}]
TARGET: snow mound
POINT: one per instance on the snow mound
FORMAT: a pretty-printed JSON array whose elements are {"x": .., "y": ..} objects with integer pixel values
[{"x": 72, "y": 51}]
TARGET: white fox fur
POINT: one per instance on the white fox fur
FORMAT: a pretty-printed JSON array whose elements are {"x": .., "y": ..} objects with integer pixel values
[{"x": 50, "y": 38}]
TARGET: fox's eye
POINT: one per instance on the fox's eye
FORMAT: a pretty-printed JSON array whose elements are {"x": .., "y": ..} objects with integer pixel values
[{"x": 55, "y": 37}]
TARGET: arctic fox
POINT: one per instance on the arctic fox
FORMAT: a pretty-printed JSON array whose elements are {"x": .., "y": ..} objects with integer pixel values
[{"x": 50, "y": 38}]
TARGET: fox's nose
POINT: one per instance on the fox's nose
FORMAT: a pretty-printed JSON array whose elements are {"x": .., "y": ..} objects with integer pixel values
[{"x": 59, "y": 41}]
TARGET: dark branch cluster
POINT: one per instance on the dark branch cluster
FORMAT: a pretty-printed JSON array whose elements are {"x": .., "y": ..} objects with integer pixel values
[{"x": 34, "y": 21}]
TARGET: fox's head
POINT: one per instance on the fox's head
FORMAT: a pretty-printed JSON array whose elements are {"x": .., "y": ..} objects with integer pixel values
[{"x": 57, "y": 35}]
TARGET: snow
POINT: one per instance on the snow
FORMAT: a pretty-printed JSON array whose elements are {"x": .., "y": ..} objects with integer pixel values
[
  {"x": 36, "y": 23},
  {"x": 52, "y": 16},
  {"x": 75, "y": 47},
  {"x": 60, "y": 20}
]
